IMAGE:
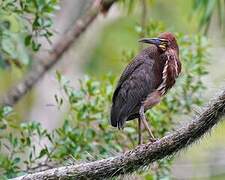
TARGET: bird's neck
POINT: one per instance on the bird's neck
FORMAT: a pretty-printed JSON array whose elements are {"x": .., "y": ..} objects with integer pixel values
[
  {"x": 171, "y": 71},
  {"x": 173, "y": 62}
]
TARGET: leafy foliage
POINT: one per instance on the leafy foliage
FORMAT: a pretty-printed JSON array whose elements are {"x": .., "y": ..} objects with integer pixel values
[
  {"x": 23, "y": 23},
  {"x": 85, "y": 134},
  {"x": 206, "y": 9}
]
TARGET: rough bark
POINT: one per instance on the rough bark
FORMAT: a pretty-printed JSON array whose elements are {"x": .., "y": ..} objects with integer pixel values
[
  {"x": 144, "y": 154},
  {"x": 34, "y": 75}
]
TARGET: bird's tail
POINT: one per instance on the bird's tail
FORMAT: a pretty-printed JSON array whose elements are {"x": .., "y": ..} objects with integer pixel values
[
  {"x": 113, "y": 116},
  {"x": 116, "y": 117}
]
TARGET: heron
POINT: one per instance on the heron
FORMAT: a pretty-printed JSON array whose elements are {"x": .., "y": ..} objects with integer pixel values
[{"x": 144, "y": 82}]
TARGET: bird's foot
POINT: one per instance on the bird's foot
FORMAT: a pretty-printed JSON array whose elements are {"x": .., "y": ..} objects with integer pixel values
[{"x": 153, "y": 139}]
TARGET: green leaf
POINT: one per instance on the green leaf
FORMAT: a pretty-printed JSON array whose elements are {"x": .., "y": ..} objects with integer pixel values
[
  {"x": 16, "y": 160},
  {"x": 43, "y": 152},
  {"x": 27, "y": 40}
]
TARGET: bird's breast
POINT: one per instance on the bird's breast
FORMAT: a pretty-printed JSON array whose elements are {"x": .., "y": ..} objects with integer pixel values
[{"x": 171, "y": 71}]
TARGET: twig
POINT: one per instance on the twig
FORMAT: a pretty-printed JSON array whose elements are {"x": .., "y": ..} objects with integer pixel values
[
  {"x": 143, "y": 19},
  {"x": 142, "y": 155},
  {"x": 17, "y": 92}
]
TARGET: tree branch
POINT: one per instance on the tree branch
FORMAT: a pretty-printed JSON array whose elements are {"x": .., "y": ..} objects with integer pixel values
[
  {"x": 34, "y": 75},
  {"x": 142, "y": 155}
]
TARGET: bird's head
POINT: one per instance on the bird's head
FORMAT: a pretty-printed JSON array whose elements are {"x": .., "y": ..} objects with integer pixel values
[{"x": 164, "y": 42}]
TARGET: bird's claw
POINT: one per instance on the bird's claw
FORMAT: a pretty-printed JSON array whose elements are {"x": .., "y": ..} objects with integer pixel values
[{"x": 153, "y": 139}]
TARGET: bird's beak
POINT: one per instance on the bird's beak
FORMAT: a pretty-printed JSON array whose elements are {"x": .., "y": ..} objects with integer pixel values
[
  {"x": 161, "y": 43},
  {"x": 155, "y": 41}
]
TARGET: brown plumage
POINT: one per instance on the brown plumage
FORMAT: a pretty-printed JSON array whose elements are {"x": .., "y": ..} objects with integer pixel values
[{"x": 145, "y": 80}]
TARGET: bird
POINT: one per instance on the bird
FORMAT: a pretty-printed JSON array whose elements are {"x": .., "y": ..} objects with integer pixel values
[{"x": 145, "y": 81}]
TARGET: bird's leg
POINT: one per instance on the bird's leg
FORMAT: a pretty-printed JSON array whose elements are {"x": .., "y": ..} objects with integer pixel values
[
  {"x": 143, "y": 118},
  {"x": 152, "y": 99},
  {"x": 139, "y": 132}
]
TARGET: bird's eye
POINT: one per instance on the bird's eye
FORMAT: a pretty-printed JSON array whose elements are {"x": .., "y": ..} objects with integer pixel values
[{"x": 165, "y": 44}]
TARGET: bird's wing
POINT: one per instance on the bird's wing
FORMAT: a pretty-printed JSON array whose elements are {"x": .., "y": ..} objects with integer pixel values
[
  {"x": 126, "y": 73},
  {"x": 132, "y": 89}
]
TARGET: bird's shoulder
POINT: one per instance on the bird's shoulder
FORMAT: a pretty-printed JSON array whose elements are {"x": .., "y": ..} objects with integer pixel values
[
  {"x": 137, "y": 71},
  {"x": 144, "y": 59}
]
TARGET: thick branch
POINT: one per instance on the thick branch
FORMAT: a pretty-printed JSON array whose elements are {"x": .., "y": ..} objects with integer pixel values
[
  {"x": 142, "y": 155},
  {"x": 17, "y": 92}
]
